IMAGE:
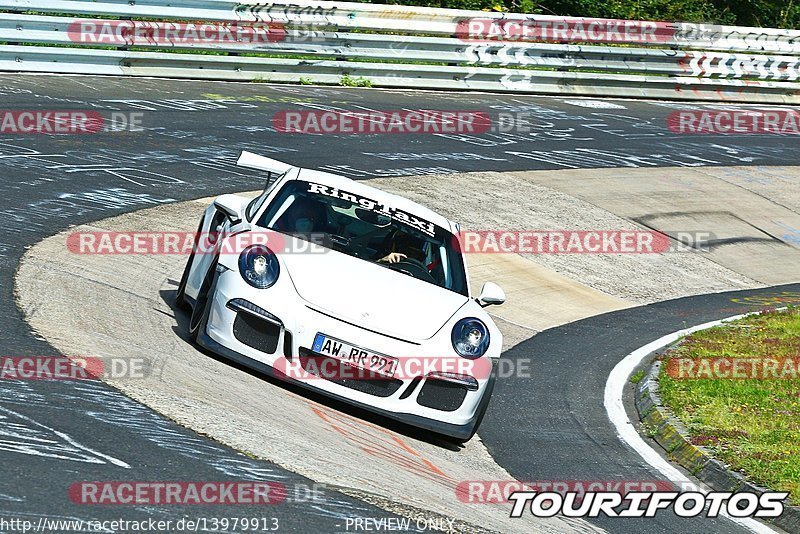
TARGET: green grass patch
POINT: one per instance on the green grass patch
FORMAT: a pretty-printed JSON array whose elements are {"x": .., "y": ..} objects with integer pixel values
[
  {"x": 350, "y": 81},
  {"x": 751, "y": 424}
]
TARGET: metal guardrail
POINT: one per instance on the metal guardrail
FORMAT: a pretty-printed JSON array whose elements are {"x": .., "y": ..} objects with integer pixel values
[
  {"x": 428, "y": 48},
  {"x": 404, "y": 19}
]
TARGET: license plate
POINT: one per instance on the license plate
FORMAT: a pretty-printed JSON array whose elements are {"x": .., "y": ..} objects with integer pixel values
[{"x": 355, "y": 356}]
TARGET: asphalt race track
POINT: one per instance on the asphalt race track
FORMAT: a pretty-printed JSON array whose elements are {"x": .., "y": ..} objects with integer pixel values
[
  {"x": 58, "y": 433},
  {"x": 560, "y": 431}
]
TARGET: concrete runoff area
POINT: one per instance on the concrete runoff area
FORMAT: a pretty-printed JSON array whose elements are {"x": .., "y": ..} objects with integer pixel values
[
  {"x": 536, "y": 297},
  {"x": 122, "y": 306},
  {"x": 755, "y": 213}
]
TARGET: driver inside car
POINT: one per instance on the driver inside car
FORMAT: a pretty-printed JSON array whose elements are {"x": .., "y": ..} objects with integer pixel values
[{"x": 404, "y": 246}]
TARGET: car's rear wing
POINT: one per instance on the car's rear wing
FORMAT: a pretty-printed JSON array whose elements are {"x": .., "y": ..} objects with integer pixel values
[{"x": 254, "y": 161}]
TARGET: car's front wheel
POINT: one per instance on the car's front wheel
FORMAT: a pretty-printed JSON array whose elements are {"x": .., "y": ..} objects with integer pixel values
[
  {"x": 180, "y": 294},
  {"x": 202, "y": 306}
]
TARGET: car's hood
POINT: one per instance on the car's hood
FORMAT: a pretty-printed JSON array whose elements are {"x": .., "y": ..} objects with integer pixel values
[{"x": 370, "y": 295}]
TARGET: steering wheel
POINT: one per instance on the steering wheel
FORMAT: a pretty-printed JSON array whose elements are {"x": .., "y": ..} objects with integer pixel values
[{"x": 413, "y": 267}]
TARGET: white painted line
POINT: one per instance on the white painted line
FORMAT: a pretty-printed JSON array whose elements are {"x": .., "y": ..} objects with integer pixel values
[
  {"x": 593, "y": 103},
  {"x": 65, "y": 437},
  {"x": 615, "y": 386}
]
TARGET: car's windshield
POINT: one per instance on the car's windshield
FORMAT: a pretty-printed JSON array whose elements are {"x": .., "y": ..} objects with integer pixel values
[{"x": 369, "y": 230}]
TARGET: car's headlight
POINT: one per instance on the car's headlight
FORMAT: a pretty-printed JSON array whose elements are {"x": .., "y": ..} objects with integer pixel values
[
  {"x": 259, "y": 266},
  {"x": 470, "y": 338}
]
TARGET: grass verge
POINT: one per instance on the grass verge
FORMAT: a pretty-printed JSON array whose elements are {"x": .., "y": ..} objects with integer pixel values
[{"x": 752, "y": 424}]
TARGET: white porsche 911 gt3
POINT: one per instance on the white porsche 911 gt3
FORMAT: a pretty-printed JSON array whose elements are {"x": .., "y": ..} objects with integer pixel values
[{"x": 348, "y": 290}]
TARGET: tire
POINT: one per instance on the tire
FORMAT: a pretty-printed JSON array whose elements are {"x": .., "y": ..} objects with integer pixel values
[
  {"x": 180, "y": 294},
  {"x": 202, "y": 306}
]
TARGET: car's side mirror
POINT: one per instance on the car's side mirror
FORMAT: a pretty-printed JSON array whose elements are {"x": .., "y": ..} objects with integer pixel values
[
  {"x": 231, "y": 206},
  {"x": 491, "y": 293}
]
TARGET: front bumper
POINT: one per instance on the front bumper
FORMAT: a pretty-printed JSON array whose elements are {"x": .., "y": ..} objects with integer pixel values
[{"x": 287, "y": 333}]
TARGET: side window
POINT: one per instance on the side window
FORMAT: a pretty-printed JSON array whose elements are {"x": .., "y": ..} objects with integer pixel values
[{"x": 256, "y": 203}]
